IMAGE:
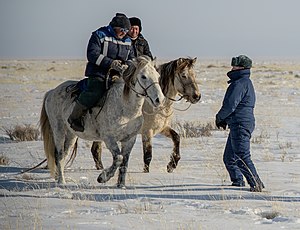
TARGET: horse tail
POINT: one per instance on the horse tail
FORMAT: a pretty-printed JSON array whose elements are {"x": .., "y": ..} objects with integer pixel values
[
  {"x": 47, "y": 135},
  {"x": 74, "y": 154}
]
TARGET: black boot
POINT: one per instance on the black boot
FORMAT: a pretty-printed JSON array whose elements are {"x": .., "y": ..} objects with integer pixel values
[
  {"x": 258, "y": 187},
  {"x": 76, "y": 117}
]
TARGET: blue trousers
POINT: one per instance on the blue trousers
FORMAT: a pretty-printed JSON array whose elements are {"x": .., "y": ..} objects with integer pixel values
[{"x": 237, "y": 158}]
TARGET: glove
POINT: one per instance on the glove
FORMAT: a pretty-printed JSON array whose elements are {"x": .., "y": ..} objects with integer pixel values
[
  {"x": 220, "y": 123},
  {"x": 123, "y": 68},
  {"x": 117, "y": 65}
]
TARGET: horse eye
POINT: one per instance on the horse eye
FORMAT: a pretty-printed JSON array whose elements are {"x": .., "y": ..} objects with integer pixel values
[
  {"x": 183, "y": 76},
  {"x": 144, "y": 77}
]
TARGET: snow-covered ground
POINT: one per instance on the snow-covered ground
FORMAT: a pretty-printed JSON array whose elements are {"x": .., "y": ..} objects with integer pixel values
[{"x": 197, "y": 195}]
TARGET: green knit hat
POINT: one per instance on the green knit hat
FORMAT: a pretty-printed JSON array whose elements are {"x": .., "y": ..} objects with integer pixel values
[{"x": 242, "y": 61}]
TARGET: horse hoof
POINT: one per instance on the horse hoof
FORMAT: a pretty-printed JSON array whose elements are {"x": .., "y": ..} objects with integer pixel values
[
  {"x": 61, "y": 182},
  {"x": 170, "y": 169},
  {"x": 122, "y": 186},
  {"x": 102, "y": 178},
  {"x": 146, "y": 169}
]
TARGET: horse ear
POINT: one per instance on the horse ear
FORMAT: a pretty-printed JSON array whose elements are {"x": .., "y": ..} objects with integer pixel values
[
  {"x": 194, "y": 60},
  {"x": 154, "y": 61},
  {"x": 132, "y": 65}
]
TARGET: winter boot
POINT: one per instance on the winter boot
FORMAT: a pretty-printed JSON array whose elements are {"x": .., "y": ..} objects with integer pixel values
[
  {"x": 258, "y": 187},
  {"x": 76, "y": 117},
  {"x": 238, "y": 183}
]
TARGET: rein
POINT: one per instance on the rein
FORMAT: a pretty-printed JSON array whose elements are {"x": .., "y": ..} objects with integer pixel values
[
  {"x": 182, "y": 110},
  {"x": 175, "y": 100}
]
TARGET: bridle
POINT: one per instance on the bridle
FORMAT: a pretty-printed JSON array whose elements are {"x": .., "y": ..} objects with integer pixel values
[
  {"x": 184, "y": 85},
  {"x": 144, "y": 93}
]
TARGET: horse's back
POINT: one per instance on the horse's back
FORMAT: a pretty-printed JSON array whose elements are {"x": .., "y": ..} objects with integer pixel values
[
  {"x": 59, "y": 99},
  {"x": 65, "y": 85},
  {"x": 61, "y": 90}
]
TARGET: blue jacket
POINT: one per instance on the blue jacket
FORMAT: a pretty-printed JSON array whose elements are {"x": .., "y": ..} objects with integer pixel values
[
  {"x": 239, "y": 100},
  {"x": 103, "y": 48}
]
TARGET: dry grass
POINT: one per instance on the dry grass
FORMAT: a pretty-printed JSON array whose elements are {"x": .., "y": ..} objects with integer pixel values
[
  {"x": 189, "y": 129},
  {"x": 262, "y": 138},
  {"x": 23, "y": 133}
]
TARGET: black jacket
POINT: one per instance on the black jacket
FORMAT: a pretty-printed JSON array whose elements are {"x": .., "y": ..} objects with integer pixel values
[{"x": 141, "y": 46}]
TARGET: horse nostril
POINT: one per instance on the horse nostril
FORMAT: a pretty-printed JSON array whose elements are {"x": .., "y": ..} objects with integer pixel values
[
  {"x": 197, "y": 97},
  {"x": 157, "y": 101}
]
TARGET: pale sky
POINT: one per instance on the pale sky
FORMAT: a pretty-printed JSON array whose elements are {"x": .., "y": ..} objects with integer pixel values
[{"x": 173, "y": 28}]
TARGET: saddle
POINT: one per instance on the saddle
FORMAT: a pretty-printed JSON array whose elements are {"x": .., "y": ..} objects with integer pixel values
[{"x": 76, "y": 89}]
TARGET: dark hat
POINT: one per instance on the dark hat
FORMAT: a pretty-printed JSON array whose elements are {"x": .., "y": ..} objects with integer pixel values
[
  {"x": 136, "y": 22},
  {"x": 242, "y": 61},
  {"x": 120, "y": 20}
]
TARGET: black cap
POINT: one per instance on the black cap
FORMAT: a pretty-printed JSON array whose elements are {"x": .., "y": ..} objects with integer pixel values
[
  {"x": 134, "y": 21},
  {"x": 120, "y": 20}
]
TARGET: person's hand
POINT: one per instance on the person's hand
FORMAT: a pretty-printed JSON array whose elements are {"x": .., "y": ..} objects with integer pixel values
[
  {"x": 117, "y": 65},
  {"x": 220, "y": 123},
  {"x": 123, "y": 68}
]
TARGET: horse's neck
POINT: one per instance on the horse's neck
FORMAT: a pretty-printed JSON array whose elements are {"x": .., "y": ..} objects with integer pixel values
[
  {"x": 171, "y": 93},
  {"x": 129, "y": 106},
  {"x": 133, "y": 103}
]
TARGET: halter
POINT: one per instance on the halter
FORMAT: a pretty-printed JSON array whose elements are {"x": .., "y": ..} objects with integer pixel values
[
  {"x": 183, "y": 86},
  {"x": 144, "y": 94}
]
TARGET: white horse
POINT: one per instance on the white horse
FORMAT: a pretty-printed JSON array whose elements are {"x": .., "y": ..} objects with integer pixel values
[
  {"x": 177, "y": 77},
  {"x": 119, "y": 120}
]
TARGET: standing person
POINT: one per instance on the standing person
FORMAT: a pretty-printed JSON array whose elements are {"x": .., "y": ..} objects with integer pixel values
[
  {"x": 108, "y": 49},
  {"x": 237, "y": 113},
  {"x": 139, "y": 43}
]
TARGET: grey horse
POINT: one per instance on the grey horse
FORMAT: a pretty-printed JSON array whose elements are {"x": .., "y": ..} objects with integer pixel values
[{"x": 119, "y": 121}]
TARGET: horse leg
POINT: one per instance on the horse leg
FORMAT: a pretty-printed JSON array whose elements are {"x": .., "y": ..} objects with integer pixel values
[
  {"x": 69, "y": 142},
  {"x": 61, "y": 153},
  {"x": 126, "y": 150},
  {"x": 60, "y": 166},
  {"x": 109, "y": 172},
  {"x": 175, "y": 156},
  {"x": 147, "y": 150},
  {"x": 97, "y": 151}
]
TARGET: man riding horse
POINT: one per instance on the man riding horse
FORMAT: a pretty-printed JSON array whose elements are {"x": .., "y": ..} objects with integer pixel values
[{"x": 108, "y": 49}]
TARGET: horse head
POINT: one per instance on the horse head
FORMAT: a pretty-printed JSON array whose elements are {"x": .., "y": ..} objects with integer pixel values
[
  {"x": 142, "y": 77},
  {"x": 185, "y": 79}
]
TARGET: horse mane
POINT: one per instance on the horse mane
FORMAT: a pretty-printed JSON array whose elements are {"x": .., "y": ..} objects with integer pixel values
[
  {"x": 170, "y": 69},
  {"x": 129, "y": 74}
]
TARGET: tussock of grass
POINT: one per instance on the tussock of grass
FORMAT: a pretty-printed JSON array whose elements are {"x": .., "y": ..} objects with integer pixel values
[
  {"x": 23, "y": 133},
  {"x": 193, "y": 129},
  {"x": 263, "y": 137},
  {"x": 270, "y": 215}
]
